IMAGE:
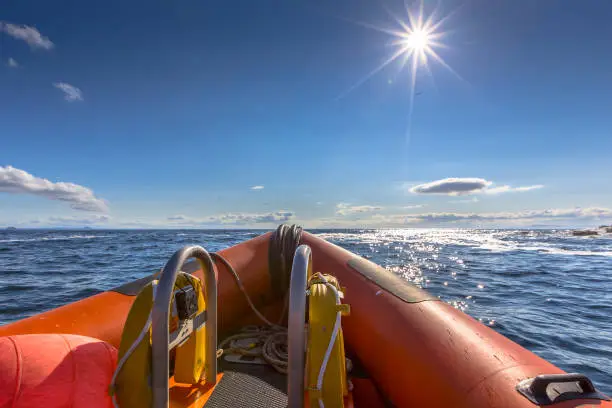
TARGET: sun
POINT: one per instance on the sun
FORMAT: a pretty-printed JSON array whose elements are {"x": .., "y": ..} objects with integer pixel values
[
  {"x": 415, "y": 40},
  {"x": 418, "y": 41}
]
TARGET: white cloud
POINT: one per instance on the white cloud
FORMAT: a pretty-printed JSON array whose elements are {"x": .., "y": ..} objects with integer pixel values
[
  {"x": 26, "y": 33},
  {"x": 568, "y": 213},
  {"x": 462, "y": 186},
  {"x": 466, "y": 201},
  {"x": 345, "y": 209},
  {"x": 412, "y": 207},
  {"x": 452, "y": 186},
  {"x": 178, "y": 218},
  {"x": 547, "y": 217},
  {"x": 245, "y": 218},
  {"x": 567, "y": 216},
  {"x": 16, "y": 181},
  {"x": 73, "y": 221},
  {"x": 528, "y": 188},
  {"x": 71, "y": 93},
  {"x": 508, "y": 189},
  {"x": 236, "y": 218},
  {"x": 12, "y": 63},
  {"x": 257, "y": 188}
]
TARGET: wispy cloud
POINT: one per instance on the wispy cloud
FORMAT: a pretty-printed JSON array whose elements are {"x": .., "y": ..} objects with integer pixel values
[
  {"x": 179, "y": 217},
  {"x": 260, "y": 218},
  {"x": 257, "y": 188},
  {"x": 235, "y": 218},
  {"x": 469, "y": 185},
  {"x": 566, "y": 213},
  {"x": 508, "y": 189},
  {"x": 16, "y": 181},
  {"x": 345, "y": 209},
  {"x": 12, "y": 63},
  {"x": 558, "y": 216},
  {"x": 72, "y": 221},
  {"x": 466, "y": 201},
  {"x": 547, "y": 217},
  {"x": 71, "y": 93},
  {"x": 412, "y": 207},
  {"x": 26, "y": 33}
]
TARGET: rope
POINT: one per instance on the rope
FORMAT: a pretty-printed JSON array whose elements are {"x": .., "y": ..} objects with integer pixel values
[
  {"x": 283, "y": 243},
  {"x": 231, "y": 269},
  {"x": 268, "y": 343}
]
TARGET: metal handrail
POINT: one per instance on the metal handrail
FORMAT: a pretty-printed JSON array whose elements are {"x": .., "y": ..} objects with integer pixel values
[
  {"x": 160, "y": 337},
  {"x": 300, "y": 271}
]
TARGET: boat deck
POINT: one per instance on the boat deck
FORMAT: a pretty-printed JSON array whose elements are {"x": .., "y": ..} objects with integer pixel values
[{"x": 248, "y": 385}]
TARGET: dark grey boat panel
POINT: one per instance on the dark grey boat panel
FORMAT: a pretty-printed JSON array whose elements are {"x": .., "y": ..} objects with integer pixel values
[
  {"x": 133, "y": 288},
  {"x": 390, "y": 282}
]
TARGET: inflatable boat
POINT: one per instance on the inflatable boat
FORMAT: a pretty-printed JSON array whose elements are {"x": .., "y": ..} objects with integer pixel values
[{"x": 284, "y": 319}]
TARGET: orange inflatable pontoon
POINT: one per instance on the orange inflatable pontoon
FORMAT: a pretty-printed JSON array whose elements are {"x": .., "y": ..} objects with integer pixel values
[{"x": 285, "y": 308}]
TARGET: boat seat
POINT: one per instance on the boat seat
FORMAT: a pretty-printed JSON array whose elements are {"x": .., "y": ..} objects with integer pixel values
[{"x": 55, "y": 371}]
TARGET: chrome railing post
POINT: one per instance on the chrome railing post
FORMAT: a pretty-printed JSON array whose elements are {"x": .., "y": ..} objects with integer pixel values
[
  {"x": 160, "y": 315},
  {"x": 300, "y": 271}
]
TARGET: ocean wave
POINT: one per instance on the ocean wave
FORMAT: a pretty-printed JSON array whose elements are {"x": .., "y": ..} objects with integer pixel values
[
  {"x": 548, "y": 250},
  {"x": 489, "y": 240},
  {"x": 60, "y": 238}
]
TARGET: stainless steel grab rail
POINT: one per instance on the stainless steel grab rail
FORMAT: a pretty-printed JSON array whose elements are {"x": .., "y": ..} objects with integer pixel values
[
  {"x": 300, "y": 271},
  {"x": 160, "y": 313}
]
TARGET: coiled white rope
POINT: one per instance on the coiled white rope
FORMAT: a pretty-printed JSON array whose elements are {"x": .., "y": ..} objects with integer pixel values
[
  {"x": 272, "y": 339},
  {"x": 268, "y": 343}
]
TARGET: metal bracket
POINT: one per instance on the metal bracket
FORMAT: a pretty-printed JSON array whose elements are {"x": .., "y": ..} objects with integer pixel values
[{"x": 185, "y": 328}]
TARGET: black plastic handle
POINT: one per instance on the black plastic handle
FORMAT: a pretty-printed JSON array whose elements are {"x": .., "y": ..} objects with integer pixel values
[
  {"x": 536, "y": 389},
  {"x": 541, "y": 382}
]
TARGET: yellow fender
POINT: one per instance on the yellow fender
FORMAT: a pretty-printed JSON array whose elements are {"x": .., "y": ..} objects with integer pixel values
[
  {"x": 132, "y": 385},
  {"x": 322, "y": 314}
]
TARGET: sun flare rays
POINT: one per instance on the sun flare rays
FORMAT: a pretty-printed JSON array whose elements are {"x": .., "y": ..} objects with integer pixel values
[{"x": 415, "y": 41}]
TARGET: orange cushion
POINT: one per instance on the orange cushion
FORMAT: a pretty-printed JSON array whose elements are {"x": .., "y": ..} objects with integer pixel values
[{"x": 55, "y": 371}]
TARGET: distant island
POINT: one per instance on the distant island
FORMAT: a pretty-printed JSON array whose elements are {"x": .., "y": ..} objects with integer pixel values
[
  {"x": 11, "y": 228},
  {"x": 601, "y": 230}
]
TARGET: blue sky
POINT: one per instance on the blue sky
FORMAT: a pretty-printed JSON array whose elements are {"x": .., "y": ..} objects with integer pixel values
[{"x": 166, "y": 114}]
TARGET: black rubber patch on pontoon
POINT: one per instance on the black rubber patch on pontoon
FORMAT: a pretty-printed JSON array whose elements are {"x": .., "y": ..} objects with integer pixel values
[
  {"x": 389, "y": 281},
  {"x": 133, "y": 288},
  {"x": 249, "y": 386}
]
